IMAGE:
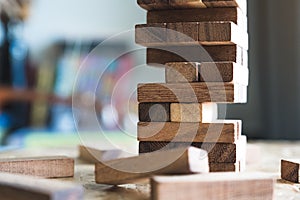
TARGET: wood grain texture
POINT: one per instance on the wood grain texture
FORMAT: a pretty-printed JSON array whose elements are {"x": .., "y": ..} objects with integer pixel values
[
  {"x": 176, "y": 161},
  {"x": 194, "y": 53},
  {"x": 47, "y": 167},
  {"x": 217, "y": 152},
  {"x": 154, "y": 112},
  {"x": 189, "y": 33},
  {"x": 194, "y": 112},
  {"x": 224, "y": 167},
  {"x": 181, "y": 72},
  {"x": 233, "y": 14},
  {"x": 17, "y": 187},
  {"x": 192, "y": 93},
  {"x": 221, "y": 132},
  {"x": 225, "y": 186},
  {"x": 290, "y": 170},
  {"x": 185, "y": 4},
  {"x": 93, "y": 155}
]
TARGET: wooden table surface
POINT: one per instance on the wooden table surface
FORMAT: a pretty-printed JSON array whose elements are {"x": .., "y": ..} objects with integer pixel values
[{"x": 271, "y": 153}]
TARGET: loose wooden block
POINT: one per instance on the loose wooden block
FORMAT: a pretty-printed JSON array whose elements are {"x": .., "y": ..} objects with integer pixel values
[
  {"x": 17, "y": 187},
  {"x": 192, "y": 93},
  {"x": 193, "y": 53},
  {"x": 214, "y": 186},
  {"x": 181, "y": 72},
  {"x": 227, "y": 131},
  {"x": 232, "y": 14},
  {"x": 128, "y": 170},
  {"x": 93, "y": 155},
  {"x": 192, "y": 33},
  {"x": 194, "y": 112},
  {"x": 223, "y": 72},
  {"x": 290, "y": 170},
  {"x": 154, "y": 112},
  {"x": 217, "y": 152},
  {"x": 225, "y": 167},
  {"x": 47, "y": 167}
]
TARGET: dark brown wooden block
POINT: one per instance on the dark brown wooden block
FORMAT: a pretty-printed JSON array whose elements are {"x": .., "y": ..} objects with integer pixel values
[
  {"x": 224, "y": 167},
  {"x": 128, "y": 170},
  {"x": 17, "y": 187},
  {"x": 199, "y": 15},
  {"x": 290, "y": 170},
  {"x": 154, "y": 112},
  {"x": 194, "y": 53},
  {"x": 225, "y": 186},
  {"x": 192, "y": 93},
  {"x": 191, "y": 33},
  {"x": 182, "y": 72},
  {"x": 222, "y": 132},
  {"x": 217, "y": 152},
  {"x": 47, "y": 167}
]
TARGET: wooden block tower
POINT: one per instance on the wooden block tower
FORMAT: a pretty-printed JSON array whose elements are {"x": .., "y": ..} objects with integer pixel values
[{"x": 184, "y": 109}]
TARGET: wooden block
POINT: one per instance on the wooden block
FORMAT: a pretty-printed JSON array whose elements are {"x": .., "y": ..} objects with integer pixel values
[
  {"x": 93, "y": 155},
  {"x": 224, "y": 167},
  {"x": 17, "y": 187},
  {"x": 221, "y": 132},
  {"x": 128, "y": 170},
  {"x": 290, "y": 170},
  {"x": 194, "y": 112},
  {"x": 153, "y": 4},
  {"x": 182, "y": 72},
  {"x": 217, "y": 152},
  {"x": 223, "y": 72},
  {"x": 242, "y": 4},
  {"x": 192, "y": 93},
  {"x": 186, "y": 4},
  {"x": 154, "y": 112},
  {"x": 154, "y": 34},
  {"x": 191, "y": 33},
  {"x": 47, "y": 167},
  {"x": 231, "y": 14},
  {"x": 225, "y": 186},
  {"x": 194, "y": 53}
]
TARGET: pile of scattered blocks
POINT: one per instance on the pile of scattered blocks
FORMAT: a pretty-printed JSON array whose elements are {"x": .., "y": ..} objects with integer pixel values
[{"x": 203, "y": 46}]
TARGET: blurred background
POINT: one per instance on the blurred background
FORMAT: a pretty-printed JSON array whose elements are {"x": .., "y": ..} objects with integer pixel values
[{"x": 44, "y": 43}]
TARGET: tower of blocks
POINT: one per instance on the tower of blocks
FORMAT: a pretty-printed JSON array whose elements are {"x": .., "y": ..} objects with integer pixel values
[{"x": 186, "y": 105}]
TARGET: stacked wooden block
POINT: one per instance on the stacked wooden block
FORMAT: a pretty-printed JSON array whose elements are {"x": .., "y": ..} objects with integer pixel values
[{"x": 203, "y": 46}]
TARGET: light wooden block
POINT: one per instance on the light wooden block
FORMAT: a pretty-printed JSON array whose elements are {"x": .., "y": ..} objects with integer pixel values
[
  {"x": 232, "y": 14},
  {"x": 191, "y": 33},
  {"x": 223, "y": 72},
  {"x": 93, "y": 155},
  {"x": 213, "y": 186},
  {"x": 128, "y": 170},
  {"x": 290, "y": 170},
  {"x": 154, "y": 112},
  {"x": 17, "y": 187},
  {"x": 193, "y": 53},
  {"x": 217, "y": 152},
  {"x": 227, "y": 131},
  {"x": 181, "y": 72},
  {"x": 47, "y": 167},
  {"x": 192, "y": 93},
  {"x": 194, "y": 112}
]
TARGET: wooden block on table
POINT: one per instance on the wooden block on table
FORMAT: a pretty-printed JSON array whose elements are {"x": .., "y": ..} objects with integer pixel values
[
  {"x": 16, "y": 187},
  {"x": 154, "y": 112},
  {"x": 227, "y": 131},
  {"x": 189, "y": 33},
  {"x": 192, "y": 93},
  {"x": 194, "y": 53},
  {"x": 128, "y": 170},
  {"x": 232, "y": 14},
  {"x": 194, "y": 112},
  {"x": 217, "y": 152},
  {"x": 47, "y": 167},
  {"x": 225, "y": 186},
  {"x": 93, "y": 155},
  {"x": 290, "y": 170},
  {"x": 182, "y": 72}
]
